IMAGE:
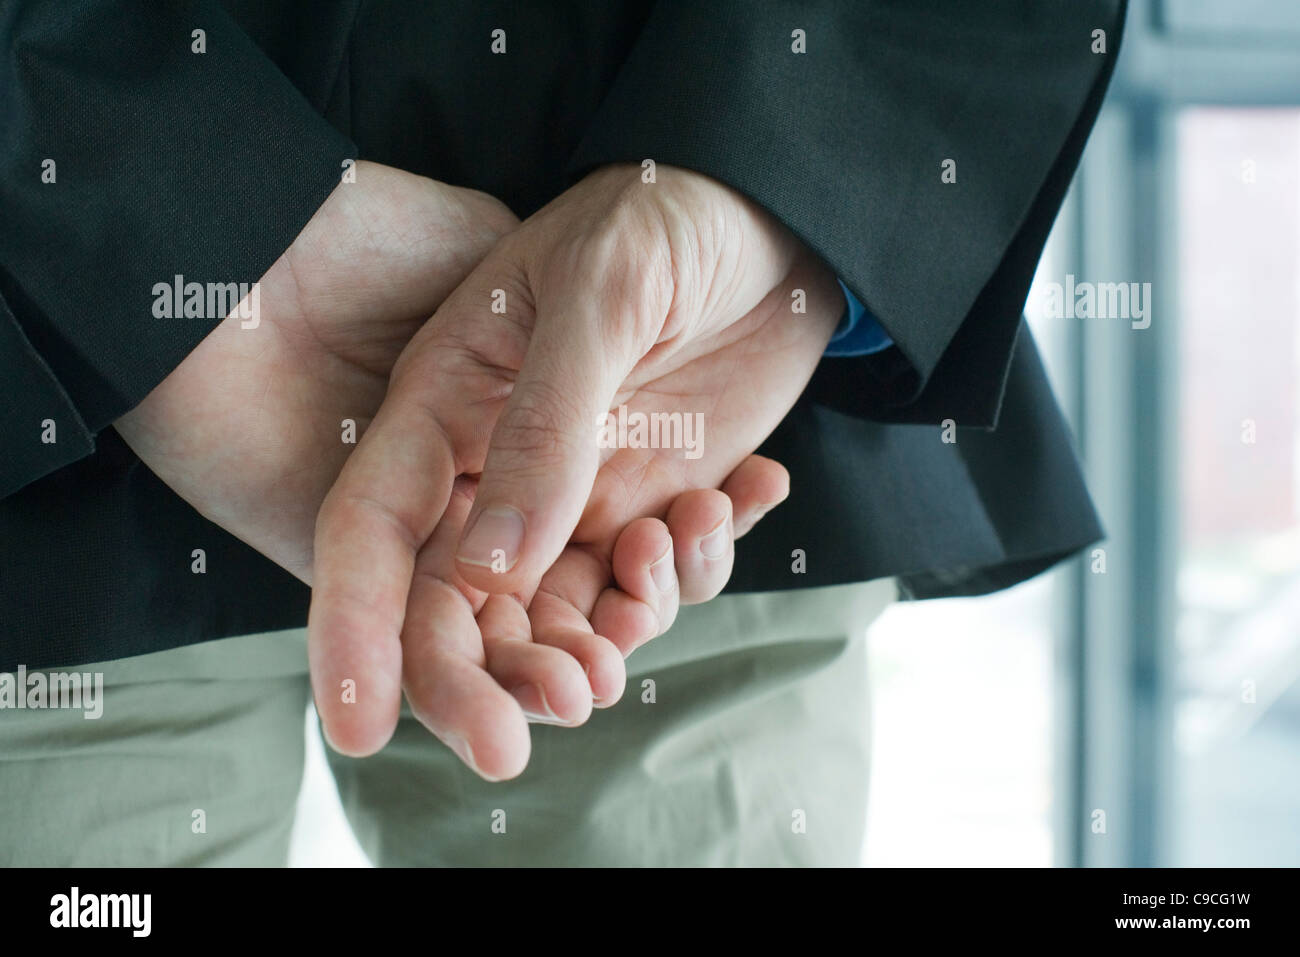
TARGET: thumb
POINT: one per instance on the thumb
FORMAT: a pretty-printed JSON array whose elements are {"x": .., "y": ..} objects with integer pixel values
[{"x": 543, "y": 455}]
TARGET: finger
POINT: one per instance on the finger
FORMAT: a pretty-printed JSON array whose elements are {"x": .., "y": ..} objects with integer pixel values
[
  {"x": 560, "y": 615},
  {"x": 452, "y": 694},
  {"x": 755, "y": 487},
  {"x": 543, "y": 455},
  {"x": 645, "y": 600},
  {"x": 444, "y": 660},
  {"x": 562, "y": 628},
  {"x": 638, "y": 608},
  {"x": 384, "y": 505},
  {"x": 549, "y": 684},
  {"x": 704, "y": 539},
  {"x": 703, "y": 543}
]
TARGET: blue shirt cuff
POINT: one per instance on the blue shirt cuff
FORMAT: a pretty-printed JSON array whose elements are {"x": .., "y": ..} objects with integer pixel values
[{"x": 858, "y": 333}]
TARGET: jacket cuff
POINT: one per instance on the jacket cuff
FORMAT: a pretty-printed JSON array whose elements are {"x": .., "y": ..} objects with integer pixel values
[
  {"x": 856, "y": 130},
  {"x": 167, "y": 160},
  {"x": 41, "y": 430}
]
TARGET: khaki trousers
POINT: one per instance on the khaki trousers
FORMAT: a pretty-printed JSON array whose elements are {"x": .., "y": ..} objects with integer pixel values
[{"x": 742, "y": 739}]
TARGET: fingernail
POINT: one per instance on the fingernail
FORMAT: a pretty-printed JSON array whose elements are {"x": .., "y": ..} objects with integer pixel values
[
  {"x": 532, "y": 698},
  {"x": 714, "y": 544},
  {"x": 587, "y": 670},
  {"x": 662, "y": 572},
  {"x": 495, "y": 539},
  {"x": 464, "y": 751}
]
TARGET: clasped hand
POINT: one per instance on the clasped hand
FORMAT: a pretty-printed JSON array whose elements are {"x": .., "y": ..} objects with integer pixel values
[{"x": 479, "y": 551}]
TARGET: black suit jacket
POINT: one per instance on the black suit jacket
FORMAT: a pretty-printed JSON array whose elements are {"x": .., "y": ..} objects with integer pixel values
[{"x": 169, "y": 161}]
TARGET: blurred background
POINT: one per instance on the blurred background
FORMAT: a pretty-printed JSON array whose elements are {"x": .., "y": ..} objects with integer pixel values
[
  {"x": 1139, "y": 706},
  {"x": 1144, "y": 712}
]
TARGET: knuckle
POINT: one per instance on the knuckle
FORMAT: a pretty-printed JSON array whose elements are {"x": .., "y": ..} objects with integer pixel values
[
  {"x": 493, "y": 215},
  {"x": 624, "y": 261},
  {"x": 631, "y": 253}
]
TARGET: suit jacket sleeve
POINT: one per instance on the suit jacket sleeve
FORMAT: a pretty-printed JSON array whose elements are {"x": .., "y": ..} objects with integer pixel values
[
  {"x": 846, "y": 143},
  {"x": 166, "y": 161}
]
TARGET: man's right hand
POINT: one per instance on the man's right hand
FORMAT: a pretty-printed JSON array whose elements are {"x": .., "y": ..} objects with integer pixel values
[{"x": 675, "y": 298}]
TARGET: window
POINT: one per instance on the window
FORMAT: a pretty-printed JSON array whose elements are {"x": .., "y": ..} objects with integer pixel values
[{"x": 1235, "y": 785}]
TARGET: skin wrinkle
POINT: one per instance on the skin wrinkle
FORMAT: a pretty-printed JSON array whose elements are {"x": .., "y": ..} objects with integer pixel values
[
  {"x": 431, "y": 415},
  {"x": 321, "y": 451},
  {"x": 469, "y": 357},
  {"x": 525, "y": 424},
  {"x": 524, "y": 315},
  {"x": 392, "y": 627},
  {"x": 631, "y": 485},
  {"x": 474, "y": 600},
  {"x": 291, "y": 336},
  {"x": 377, "y": 507},
  {"x": 720, "y": 231},
  {"x": 556, "y": 592}
]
